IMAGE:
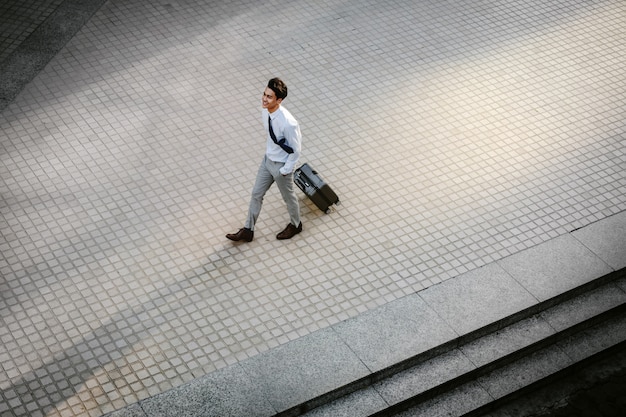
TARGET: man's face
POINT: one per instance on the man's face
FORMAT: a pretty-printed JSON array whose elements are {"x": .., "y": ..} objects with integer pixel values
[{"x": 269, "y": 101}]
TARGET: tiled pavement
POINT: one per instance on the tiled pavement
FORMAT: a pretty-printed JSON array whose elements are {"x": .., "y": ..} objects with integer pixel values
[{"x": 455, "y": 133}]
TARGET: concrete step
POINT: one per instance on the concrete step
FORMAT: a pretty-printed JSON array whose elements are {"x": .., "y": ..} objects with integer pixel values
[
  {"x": 508, "y": 380},
  {"x": 475, "y": 373},
  {"x": 592, "y": 387}
]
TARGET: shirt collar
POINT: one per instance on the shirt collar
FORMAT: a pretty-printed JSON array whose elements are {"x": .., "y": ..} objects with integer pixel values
[{"x": 276, "y": 112}]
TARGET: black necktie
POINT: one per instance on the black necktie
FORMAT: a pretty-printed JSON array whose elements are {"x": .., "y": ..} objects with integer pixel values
[{"x": 281, "y": 142}]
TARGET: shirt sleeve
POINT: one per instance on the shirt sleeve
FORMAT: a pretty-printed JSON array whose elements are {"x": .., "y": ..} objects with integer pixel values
[{"x": 294, "y": 140}]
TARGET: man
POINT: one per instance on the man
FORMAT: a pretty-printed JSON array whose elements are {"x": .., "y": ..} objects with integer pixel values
[{"x": 283, "y": 146}]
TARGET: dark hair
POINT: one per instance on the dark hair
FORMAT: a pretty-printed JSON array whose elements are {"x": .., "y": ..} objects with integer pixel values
[{"x": 278, "y": 87}]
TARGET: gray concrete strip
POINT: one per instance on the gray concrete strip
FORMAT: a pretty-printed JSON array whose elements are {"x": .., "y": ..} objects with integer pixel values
[
  {"x": 607, "y": 239},
  {"x": 52, "y": 35},
  {"x": 520, "y": 373},
  {"x": 464, "y": 399},
  {"x": 227, "y": 392},
  {"x": 394, "y": 332},
  {"x": 554, "y": 267},
  {"x": 507, "y": 340},
  {"x": 431, "y": 408},
  {"x": 303, "y": 369},
  {"x": 43, "y": 44},
  {"x": 602, "y": 373},
  {"x": 424, "y": 376},
  {"x": 548, "y": 362},
  {"x": 18, "y": 70},
  {"x": 595, "y": 339},
  {"x": 585, "y": 306},
  {"x": 477, "y": 298},
  {"x": 361, "y": 403}
]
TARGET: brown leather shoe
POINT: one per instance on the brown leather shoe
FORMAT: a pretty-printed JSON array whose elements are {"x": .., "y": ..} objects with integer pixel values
[
  {"x": 289, "y": 232},
  {"x": 243, "y": 234}
]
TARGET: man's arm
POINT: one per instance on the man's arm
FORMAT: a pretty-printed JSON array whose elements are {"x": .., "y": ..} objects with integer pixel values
[{"x": 294, "y": 140}]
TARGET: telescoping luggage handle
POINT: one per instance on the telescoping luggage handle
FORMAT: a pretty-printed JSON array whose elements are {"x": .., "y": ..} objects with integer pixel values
[{"x": 302, "y": 176}]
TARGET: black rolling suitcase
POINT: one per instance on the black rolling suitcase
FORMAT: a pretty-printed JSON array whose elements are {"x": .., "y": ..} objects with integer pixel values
[{"x": 309, "y": 181}]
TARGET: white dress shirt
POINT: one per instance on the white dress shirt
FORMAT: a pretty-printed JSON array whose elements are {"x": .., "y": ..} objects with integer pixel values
[{"x": 285, "y": 126}]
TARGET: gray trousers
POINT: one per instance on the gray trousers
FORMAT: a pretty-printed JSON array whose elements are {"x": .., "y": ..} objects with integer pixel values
[{"x": 268, "y": 174}]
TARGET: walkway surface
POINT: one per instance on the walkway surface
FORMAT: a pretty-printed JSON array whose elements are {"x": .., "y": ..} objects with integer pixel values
[{"x": 456, "y": 134}]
